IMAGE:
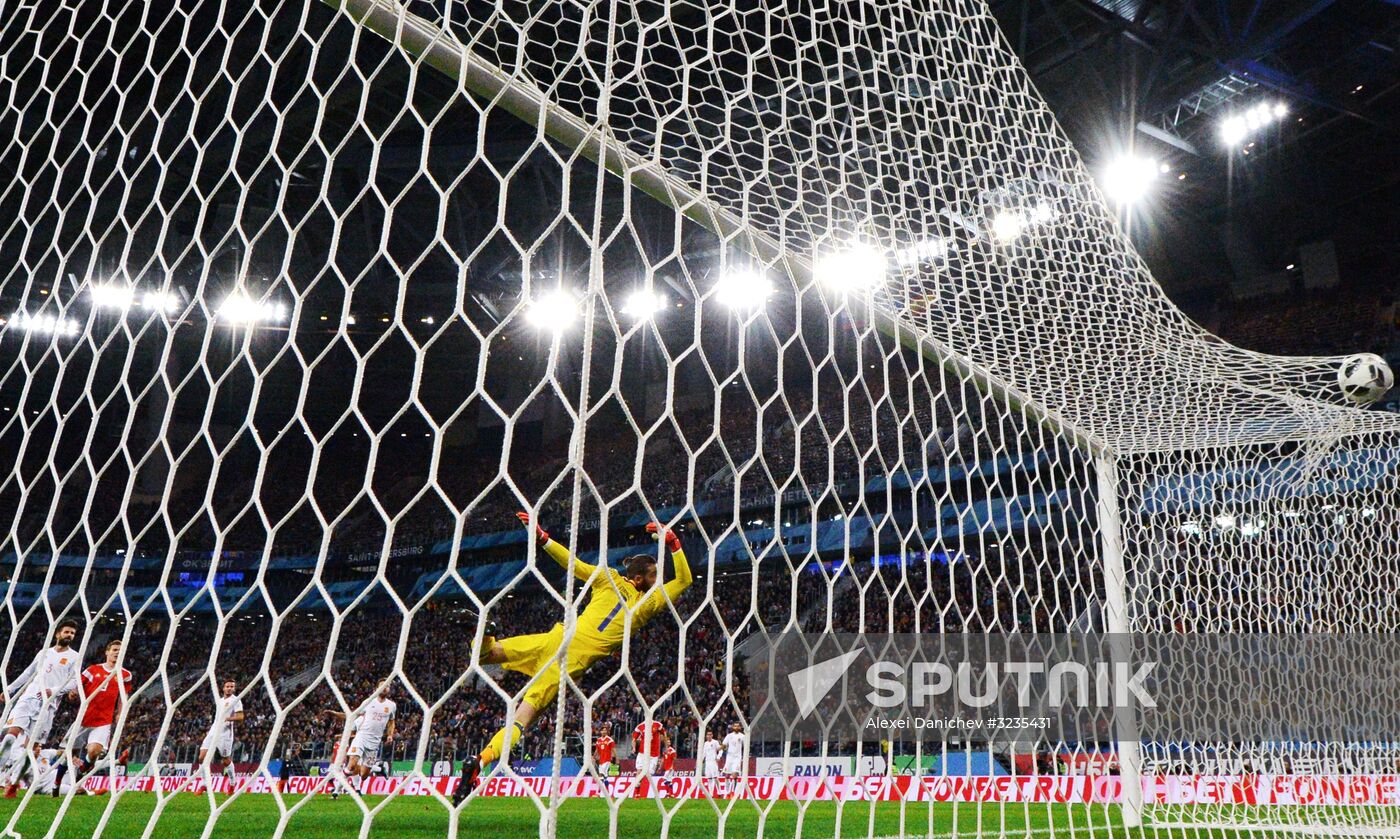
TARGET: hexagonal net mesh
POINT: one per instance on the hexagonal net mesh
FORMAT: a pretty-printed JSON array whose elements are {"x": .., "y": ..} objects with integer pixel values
[{"x": 304, "y": 303}]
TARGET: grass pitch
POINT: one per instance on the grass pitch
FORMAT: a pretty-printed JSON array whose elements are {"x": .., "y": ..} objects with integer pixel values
[
  {"x": 139, "y": 814},
  {"x": 185, "y": 815},
  {"x": 258, "y": 815}
]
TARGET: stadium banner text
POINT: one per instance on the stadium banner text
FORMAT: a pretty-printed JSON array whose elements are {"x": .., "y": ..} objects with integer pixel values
[{"x": 1257, "y": 790}]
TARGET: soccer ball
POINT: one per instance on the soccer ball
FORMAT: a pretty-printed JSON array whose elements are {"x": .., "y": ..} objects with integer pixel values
[{"x": 1364, "y": 378}]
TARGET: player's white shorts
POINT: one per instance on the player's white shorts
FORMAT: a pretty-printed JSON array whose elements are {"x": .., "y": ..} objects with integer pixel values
[
  {"x": 366, "y": 749},
  {"x": 25, "y": 713},
  {"x": 733, "y": 766},
  {"x": 99, "y": 734},
  {"x": 605, "y": 768},
  {"x": 646, "y": 764},
  {"x": 711, "y": 770},
  {"x": 223, "y": 743},
  {"x": 39, "y": 733}
]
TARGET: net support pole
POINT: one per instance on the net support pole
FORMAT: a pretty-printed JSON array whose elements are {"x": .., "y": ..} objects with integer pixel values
[{"x": 1117, "y": 622}]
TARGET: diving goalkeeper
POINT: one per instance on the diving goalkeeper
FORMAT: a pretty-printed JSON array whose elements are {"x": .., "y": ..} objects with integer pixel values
[{"x": 619, "y": 603}]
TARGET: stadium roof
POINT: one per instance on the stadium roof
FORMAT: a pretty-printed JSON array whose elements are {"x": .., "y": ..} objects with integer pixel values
[{"x": 1159, "y": 76}]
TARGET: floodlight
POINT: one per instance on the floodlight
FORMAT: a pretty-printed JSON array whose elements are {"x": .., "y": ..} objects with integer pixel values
[
  {"x": 860, "y": 267},
  {"x": 112, "y": 296},
  {"x": 1237, "y": 127},
  {"x": 160, "y": 301},
  {"x": 1042, "y": 213},
  {"x": 1127, "y": 179},
  {"x": 1007, "y": 226},
  {"x": 554, "y": 310},
  {"x": 241, "y": 310},
  {"x": 44, "y": 324},
  {"x": 644, "y": 303},
  {"x": 1233, "y": 131},
  {"x": 743, "y": 289},
  {"x": 924, "y": 250}
]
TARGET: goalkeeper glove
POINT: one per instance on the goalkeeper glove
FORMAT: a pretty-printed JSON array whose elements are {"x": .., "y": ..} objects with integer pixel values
[
  {"x": 673, "y": 542},
  {"x": 540, "y": 535}
]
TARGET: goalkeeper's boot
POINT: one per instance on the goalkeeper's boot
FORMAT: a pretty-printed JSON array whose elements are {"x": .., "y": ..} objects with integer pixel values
[
  {"x": 488, "y": 638},
  {"x": 471, "y": 771}
]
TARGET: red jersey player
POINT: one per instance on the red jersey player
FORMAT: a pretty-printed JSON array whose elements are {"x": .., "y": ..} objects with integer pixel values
[
  {"x": 104, "y": 687},
  {"x": 649, "y": 740},
  {"x": 603, "y": 748},
  {"x": 668, "y": 761}
]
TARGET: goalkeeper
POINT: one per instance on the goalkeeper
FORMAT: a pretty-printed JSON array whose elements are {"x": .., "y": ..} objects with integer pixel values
[{"x": 602, "y": 629}]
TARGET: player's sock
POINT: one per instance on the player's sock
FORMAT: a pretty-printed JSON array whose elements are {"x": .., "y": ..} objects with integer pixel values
[
  {"x": 496, "y": 747},
  {"x": 12, "y": 752},
  {"x": 59, "y": 772},
  {"x": 17, "y": 753}
]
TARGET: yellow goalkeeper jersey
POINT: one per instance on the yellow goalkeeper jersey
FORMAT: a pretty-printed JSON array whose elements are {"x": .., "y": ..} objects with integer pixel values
[{"x": 603, "y": 622}]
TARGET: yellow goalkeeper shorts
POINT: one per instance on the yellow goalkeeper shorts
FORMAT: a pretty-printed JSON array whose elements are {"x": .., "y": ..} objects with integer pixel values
[{"x": 534, "y": 655}]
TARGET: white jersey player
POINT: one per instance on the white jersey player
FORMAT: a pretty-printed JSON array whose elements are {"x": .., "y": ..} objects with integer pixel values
[
  {"x": 10, "y": 777},
  {"x": 709, "y": 756},
  {"x": 336, "y": 769},
  {"x": 42, "y": 685},
  {"x": 371, "y": 728},
  {"x": 733, "y": 751},
  {"x": 43, "y": 773},
  {"x": 228, "y": 709}
]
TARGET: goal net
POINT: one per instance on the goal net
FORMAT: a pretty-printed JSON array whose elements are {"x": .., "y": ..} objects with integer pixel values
[{"x": 304, "y": 302}]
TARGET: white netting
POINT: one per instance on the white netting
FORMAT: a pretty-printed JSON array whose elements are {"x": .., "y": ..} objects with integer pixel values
[{"x": 278, "y": 371}]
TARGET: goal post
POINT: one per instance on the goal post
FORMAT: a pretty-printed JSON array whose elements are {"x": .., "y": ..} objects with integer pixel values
[{"x": 1118, "y": 622}]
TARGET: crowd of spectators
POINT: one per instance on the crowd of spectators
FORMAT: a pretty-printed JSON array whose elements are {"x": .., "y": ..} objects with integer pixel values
[
  {"x": 291, "y": 669},
  {"x": 1331, "y": 322},
  {"x": 685, "y": 671},
  {"x": 303, "y": 665},
  {"x": 682, "y": 667},
  {"x": 838, "y": 429},
  {"x": 730, "y": 449}
]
